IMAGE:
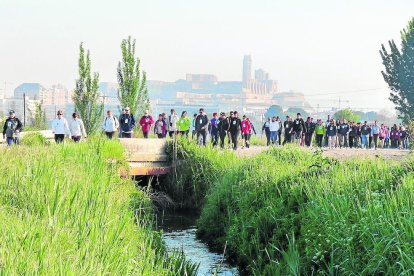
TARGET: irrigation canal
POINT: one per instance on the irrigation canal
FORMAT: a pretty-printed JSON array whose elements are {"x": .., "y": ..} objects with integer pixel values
[{"x": 179, "y": 232}]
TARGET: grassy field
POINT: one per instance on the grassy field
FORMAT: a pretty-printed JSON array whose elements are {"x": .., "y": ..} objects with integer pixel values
[
  {"x": 289, "y": 211},
  {"x": 64, "y": 210}
]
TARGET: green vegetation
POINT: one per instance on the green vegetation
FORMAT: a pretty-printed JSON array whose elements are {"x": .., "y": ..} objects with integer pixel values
[
  {"x": 132, "y": 82},
  {"x": 399, "y": 72},
  {"x": 86, "y": 94},
  {"x": 64, "y": 210},
  {"x": 347, "y": 114},
  {"x": 291, "y": 211},
  {"x": 34, "y": 139},
  {"x": 38, "y": 118}
]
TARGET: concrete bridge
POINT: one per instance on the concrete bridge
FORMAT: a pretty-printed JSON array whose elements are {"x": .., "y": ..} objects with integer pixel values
[{"x": 146, "y": 156}]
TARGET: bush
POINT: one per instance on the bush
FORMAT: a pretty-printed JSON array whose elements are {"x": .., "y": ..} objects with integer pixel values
[
  {"x": 34, "y": 139},
  {"x": 65, "y": 210},
  {"x": 291, "y": 211}
]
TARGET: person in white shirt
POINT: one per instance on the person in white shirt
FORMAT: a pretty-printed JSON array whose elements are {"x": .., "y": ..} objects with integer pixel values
[
  {"x": 60, "y": 127},
  {"x": 274, "y": 128},
  {"x": 110, "y": 124},
  {"x": 172, "y": 123},
  {"x": 76, "y": 128}
]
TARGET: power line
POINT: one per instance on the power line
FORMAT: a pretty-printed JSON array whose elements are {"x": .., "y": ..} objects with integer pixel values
[{"x": 338, "y": 92}]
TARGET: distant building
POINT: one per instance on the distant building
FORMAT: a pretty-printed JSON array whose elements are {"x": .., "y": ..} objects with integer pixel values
[{"x": 31, "y": 90}]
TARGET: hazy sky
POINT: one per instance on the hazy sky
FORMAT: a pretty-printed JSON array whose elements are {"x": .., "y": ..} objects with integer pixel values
[{"x": 315, "y": 47}]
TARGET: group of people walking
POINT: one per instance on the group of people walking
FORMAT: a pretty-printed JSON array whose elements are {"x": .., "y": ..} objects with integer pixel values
[
  {"x": 218, "y": 127},
  {"x": 331, "y": 134}
]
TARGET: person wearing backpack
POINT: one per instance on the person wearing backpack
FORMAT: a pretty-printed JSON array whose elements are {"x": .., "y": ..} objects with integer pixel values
[
  {"x": 266, "y": 130},
  {"x": 201, "y": 126},
  {"x": 223, "y": 126},
  {"x": 110, "y": 124},
  {"x": 127, "y": 124},
  {"x": 11, "y": 129}
]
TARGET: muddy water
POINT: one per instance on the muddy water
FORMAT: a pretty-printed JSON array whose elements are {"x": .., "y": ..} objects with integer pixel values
[{"x": 180, "y": 233}]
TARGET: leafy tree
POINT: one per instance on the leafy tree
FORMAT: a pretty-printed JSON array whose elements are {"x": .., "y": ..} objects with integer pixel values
[
  {"x": 292, "y": 111},
  {"x": 399, "y": 72},
  {"x": 38, "y": 117},
  {"x": 86, "y": 94},
  {"x": 347, "y": 114},
  {"x": 132, "y": 90},
  {"x": 274, "y": 110}
]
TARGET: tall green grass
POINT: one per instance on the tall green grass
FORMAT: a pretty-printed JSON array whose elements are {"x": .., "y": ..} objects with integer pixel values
[
  {"x": 64, "y": 210},
  {"x": 291, "y": 211}
]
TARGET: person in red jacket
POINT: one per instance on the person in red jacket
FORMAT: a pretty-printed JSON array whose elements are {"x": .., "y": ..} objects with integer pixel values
[
  {"x": 145, "y": 123},
  {"x": 246, "y": 127}
]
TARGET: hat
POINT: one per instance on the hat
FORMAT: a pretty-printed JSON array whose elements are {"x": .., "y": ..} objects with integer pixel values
[{"x": 12, "y": 112}]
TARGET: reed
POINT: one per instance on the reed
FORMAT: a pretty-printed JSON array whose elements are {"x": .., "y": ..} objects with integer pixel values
[
  {"x": 291, "y": 211},
  {"x": 64, "y": 210}
]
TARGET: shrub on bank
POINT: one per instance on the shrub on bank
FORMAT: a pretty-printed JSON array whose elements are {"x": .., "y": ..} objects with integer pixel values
[
  {"x": 291, "y": 211},
  {"x": 65, "y": 210}
]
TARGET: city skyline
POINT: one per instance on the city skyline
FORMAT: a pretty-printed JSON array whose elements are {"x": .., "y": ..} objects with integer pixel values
[{"x": 322, "y": 49}]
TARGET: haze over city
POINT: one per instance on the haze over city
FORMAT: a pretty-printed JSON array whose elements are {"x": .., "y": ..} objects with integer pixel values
[{"x": 320, "y": 48}]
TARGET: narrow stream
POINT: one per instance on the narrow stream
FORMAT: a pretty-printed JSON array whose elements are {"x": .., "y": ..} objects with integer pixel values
[{"x": 180, "y": 233}]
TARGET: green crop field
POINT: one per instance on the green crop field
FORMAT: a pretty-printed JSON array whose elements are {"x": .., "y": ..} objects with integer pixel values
[
  {"x": 291, "y": 211},
  {"x": 64, "y": 210}
]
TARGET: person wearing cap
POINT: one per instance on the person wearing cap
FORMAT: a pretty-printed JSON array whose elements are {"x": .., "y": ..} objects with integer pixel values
[
  {"x": 201, "y": 126},
  {"x": 146, "y": 122},
  {"x": 127, "y": 123},
  {"x": 110, "y": 124},
  {"x": 235, "y": 129},
  {"x": 223, "y": 126},
  {"x": 299, "y": 128},
  {"x": 76, "y": 128},
  {"x": 11, "y": 129},
  {"x": 214, "y": 129},
  {"x": 60, "y": 127},
  {"x": 266, "y": 130},
  {"x": 184, "y": 124}
]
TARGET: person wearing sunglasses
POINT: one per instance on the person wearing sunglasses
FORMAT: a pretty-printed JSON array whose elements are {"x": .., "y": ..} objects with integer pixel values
[{"x": 60, "y": 127}]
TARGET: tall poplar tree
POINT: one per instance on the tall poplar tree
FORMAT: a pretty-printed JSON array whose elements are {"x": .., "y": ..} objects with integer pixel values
[
  {"x": 132, "y": 90},
  {"x": 399, "y": 72},
  {"x": 86, "y": 94}
]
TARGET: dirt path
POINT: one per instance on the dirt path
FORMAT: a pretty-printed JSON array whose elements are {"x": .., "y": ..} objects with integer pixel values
[{"x": 341, "y": 154}]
